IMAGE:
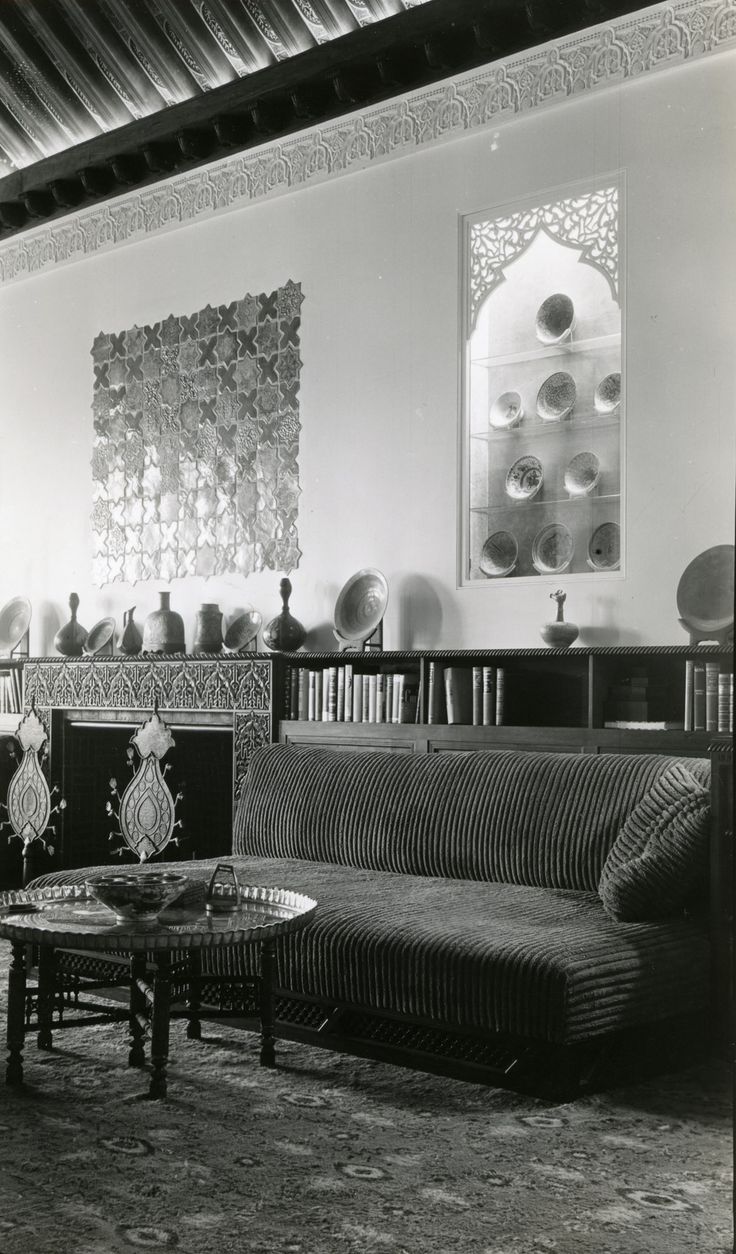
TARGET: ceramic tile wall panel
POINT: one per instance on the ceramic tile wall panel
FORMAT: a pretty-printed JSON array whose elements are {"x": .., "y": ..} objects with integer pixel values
[{"x": 196, "y": 442}]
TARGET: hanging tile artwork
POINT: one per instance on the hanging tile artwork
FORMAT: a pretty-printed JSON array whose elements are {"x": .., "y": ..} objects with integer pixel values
[{"x": 195, "y": 457}]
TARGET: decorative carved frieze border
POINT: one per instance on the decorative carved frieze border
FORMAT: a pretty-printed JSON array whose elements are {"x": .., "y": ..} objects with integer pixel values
[{"x": 662, "y": 37}]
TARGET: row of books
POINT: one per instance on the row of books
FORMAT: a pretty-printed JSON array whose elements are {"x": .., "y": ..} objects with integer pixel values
[
  {"x": 708, "y": 701},
  {"x": 474, "y": 695},
  {"x": 708, "y": 697},
  {"x": 342, "y": 694},
  {"x": 11, "y": 692}
]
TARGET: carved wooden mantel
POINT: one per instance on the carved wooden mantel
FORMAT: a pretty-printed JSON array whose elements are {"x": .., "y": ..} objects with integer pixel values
[{"x": 236, "y": 691}]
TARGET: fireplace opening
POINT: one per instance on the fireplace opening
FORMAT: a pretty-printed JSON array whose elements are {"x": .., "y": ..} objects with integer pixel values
[{"x": 201, "y": 768}]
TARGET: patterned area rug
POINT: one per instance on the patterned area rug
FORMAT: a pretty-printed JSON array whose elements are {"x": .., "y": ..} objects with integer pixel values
[{"x": 334, "y": 1155}]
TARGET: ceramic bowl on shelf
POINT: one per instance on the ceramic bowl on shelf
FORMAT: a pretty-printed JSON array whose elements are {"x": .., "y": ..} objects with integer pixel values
[
  {"x": 524, "y": 478},
  {"x": 14, "y": 619},
  {"x": 552, "y": 549},
  {"x": 556, "y": 396},
  {"x": 582, "y": 474},
  {"x": 136, "y": 898},
  {"x": 242, "y": 631},
  {"x": 607, "y": 396},
  {"x": 555, "y": 319},
  {"x": 99, "y": 636},
  {"x": 705, "y": 593},
  {"x": 361, "y": 605},
  {"x": 604, "y": 547},
  {"x": 498, "y": 555},
  {"x": 506, "y": 411}
]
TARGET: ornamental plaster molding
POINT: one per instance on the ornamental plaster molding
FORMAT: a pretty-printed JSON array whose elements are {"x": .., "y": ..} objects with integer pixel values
[{"x": 665, "y": 36}]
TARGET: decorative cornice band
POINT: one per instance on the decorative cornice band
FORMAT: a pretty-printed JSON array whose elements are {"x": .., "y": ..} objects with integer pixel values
[{"x": 662, "y": 37}]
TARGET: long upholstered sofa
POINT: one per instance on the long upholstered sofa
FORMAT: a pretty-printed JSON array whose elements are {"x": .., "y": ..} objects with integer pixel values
[{"x": 525, "y": 917}]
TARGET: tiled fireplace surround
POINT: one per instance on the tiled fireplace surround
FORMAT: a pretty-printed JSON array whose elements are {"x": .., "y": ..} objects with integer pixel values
[{"x": 229, "y": 694}]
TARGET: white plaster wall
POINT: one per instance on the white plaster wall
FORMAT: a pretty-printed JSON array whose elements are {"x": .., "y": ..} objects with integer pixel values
[{"x": 377, "y": 255}]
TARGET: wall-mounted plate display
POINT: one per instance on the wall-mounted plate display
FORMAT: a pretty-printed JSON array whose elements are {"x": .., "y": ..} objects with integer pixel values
[
  {"x": 506, "y": 410},
  {"x": 499, "y": 553},
  {"x": 604, "y": 547},
  {"x": 15, "y": 617},
  {"x": 607, "y": 397},
  {"x": 582, "y": 474},
  {"x": 99, "y": 636},
  {"x": 524, "y": 478},
  {"x": 556, "y": 397},
  {"x": 555, "y": 319},
  {"x": 552, "y": 549}
]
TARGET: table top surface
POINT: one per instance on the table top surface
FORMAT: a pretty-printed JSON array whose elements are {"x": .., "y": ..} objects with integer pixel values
[{"x": 64, "y": 916}]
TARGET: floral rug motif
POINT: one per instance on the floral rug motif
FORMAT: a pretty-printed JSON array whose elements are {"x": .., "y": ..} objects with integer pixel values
[{"x": 336, "y": 1155}]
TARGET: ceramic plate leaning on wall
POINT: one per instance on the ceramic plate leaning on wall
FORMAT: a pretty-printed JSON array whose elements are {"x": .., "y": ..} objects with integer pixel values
[
  {"x": 556, "y": 397},
  {"x": 498, "y": 555},
  {"x": 582, "y": 474},
  {"x": 14, "y": 619},
  {"x": 98, "y": 636},
  {"x": 242, "y": 631},
  {"x": 524, "y": 478},
  {"x": 552, "y": 549},
  {"x": 604, "y": 547}
]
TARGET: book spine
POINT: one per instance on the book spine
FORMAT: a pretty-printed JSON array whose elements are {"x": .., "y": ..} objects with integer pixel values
[
  {"x": 725, "y": 699},
  {"x": 477, "y": 696},
  {"x": 312, "y": 706},
  {"x": 319, "y": 696},
  {"x": 372, "y": 698},
  {"x": 450, "y": 694},
  {"x": 398, "y": 698},
  {"x": 329, "y": 700},
  {"x": 711, "y": 696},
  {"x": 431, "y": 686},
  {"x": 303, "y": 693},
  {"x": 489, "y": 696},
  {"x": 380, "y": 697},
  {"x": 340, "y": 711},
  {"x": 293, "y": 692},
  {"x": 389, "y": 701},
  {"x": 348, "y": 692},
  {"x": 357, "y": 698},
  {"x": 366, "y": 706},
  {"x": 699, "y": 697},
  {"x": 500, "y": 696},
  {"x": 689, "y": 679}
]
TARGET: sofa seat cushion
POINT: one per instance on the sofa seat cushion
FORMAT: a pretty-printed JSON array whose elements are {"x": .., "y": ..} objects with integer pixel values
[{"x": 548, "y": 964}]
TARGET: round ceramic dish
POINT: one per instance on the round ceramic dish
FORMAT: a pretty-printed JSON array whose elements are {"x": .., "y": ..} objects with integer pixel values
[
  {"x": 524, "y": 479},
  {"x": 556, "y": 397},
  {"x": 604, "y": 547},
  {"x": 242, "y": 631},
  {"x": 552, "y": 549},
  {"x": 506, "y": 411},
  {"x": 582, "y": 474},
  {"x": 361, "y": 604},
  {"x": 705, "y": 591},
  {"x": 555, "y": 319},
  {"x": 99, "y": 635},
  {"x": 607, "y": 396},
  {"x": 14, "y": 620},
  {"x": 136, "y": 897},
  {"x": 498, "y": 555}
]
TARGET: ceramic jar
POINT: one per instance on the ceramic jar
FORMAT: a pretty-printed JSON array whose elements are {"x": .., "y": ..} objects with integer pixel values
[
  {"x": 284, "y": 632},
  {"x": 163, "y": 630},
  {"x": 559, "y": 634},
  {"x": 208, "y": 629},
  {"x": 131, "y": 641},
  {"x": 70, "y": 638}
]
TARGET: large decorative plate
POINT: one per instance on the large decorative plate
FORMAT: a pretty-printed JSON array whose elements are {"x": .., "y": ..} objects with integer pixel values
[
  {"x": 524, "y": 479},
  {"x": 99, "y": 635},
  {"x": 604, "y": 547},
  {"x": 582, "y": 474},
  {"x": 499, "y": 553},
  {"x": 705, "y": 592},
  {"x": 14, "y": 619},
  {"x": 361, "y": 604},
  {"x": 556, "y": 397},
  {"x": 242, "y": 631},
  {"x": 506, "y": 411},
  {"x": 552, "y": 549},
  {"x": 607, "y": 396},
  {"x": 555, "y": 319}
]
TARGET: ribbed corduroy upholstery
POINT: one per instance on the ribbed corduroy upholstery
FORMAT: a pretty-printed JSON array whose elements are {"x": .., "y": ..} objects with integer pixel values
[{"x": 544, "y": 819}]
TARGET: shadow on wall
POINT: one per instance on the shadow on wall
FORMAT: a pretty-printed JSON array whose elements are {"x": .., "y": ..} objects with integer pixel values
[{"x": 423, "y": 616}]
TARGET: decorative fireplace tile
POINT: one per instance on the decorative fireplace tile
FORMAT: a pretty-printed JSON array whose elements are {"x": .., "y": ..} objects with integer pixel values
[{"x": 196, "y": 444}]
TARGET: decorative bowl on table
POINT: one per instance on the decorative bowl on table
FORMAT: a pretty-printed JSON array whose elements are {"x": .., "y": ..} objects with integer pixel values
[
  {"x": 136, "y": 898},
  {"x": 555, "y": 319},
  {"x": 524, "y": 479},
  {"x": 499, "y": 553},
  {"x": 582, "y": 474},
  {"x": 506, "y": 411},
  {"x": 556, "y": 396},
  {"x": 607, "y": 396},
  {"x": 242, "y": 631},
  {"x": 552, "y": 549}
]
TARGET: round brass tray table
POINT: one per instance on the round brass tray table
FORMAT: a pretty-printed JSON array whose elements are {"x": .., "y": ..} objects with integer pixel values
[{"x": 162, "y": 953}]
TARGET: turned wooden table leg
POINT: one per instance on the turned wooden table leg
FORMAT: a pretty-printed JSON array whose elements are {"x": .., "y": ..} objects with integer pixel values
[
  {"x": 194, "y": 1026},
  {"x": 160, "y": 1012},
  {"x": 268, "y": 1027},
  {"x": 137, "y": 1019},
  {"x": 46, "y": 995},
  {"x": 16, "y": 1013}
]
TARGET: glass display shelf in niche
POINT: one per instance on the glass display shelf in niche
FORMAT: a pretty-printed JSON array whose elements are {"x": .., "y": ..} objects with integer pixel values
[{"x": 529, "y": 401}]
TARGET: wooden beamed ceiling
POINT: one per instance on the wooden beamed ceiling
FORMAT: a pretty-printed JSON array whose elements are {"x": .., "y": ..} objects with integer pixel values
[{"x": 101, "y": 96}]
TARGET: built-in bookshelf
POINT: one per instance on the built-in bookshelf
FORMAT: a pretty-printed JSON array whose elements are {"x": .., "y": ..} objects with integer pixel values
[{"x": 11, "y": 694}]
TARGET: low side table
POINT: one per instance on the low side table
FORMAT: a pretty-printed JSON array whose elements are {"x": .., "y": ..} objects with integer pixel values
[{"x": 164, "y": 961}]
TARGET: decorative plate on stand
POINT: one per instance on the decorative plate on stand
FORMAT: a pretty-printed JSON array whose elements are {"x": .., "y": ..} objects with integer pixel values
[
  {"x": 361, "y": 605},
  {"x": 552, "y": 549},
  {"x": 15, "y": 617}
]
